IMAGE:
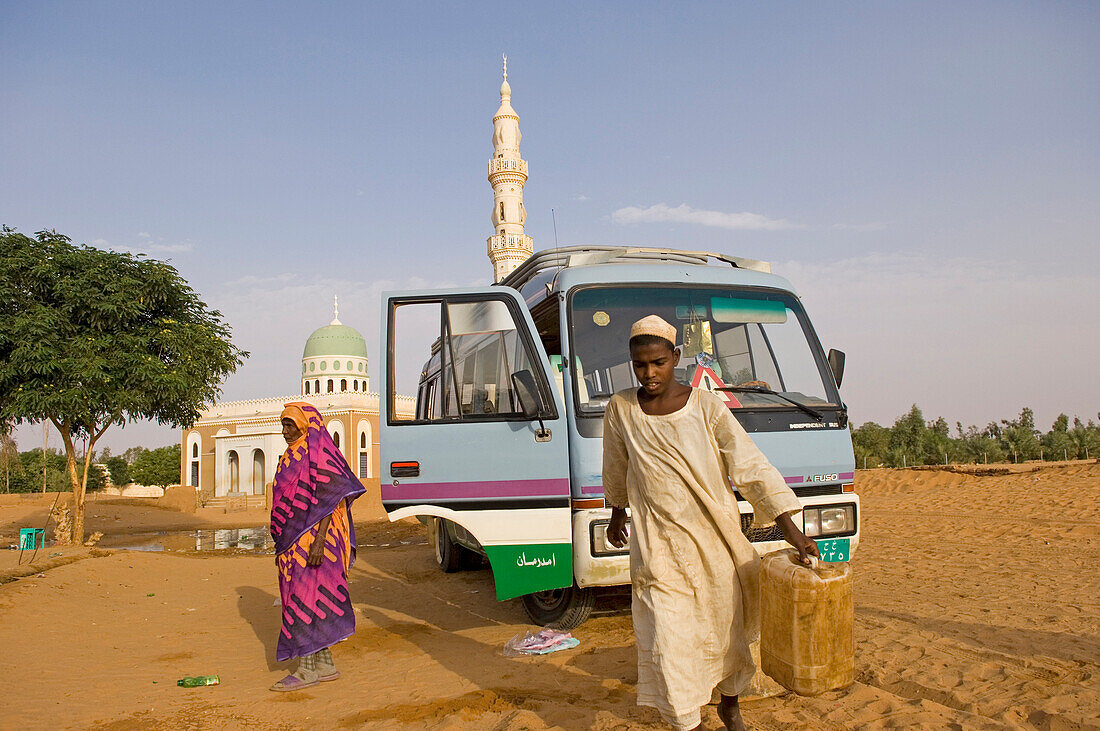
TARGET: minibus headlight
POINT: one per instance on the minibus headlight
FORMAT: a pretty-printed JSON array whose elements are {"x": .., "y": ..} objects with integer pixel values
[
  {"x": 829, "y": 520},
  {"x": 812, "y": 516},
  {"x": 601, "y": 546}
]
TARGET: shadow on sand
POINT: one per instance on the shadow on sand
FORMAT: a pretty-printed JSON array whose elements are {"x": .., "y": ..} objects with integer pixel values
[
  {"x": 440, "y": 607},
  {"x": 257, "y": 608}
]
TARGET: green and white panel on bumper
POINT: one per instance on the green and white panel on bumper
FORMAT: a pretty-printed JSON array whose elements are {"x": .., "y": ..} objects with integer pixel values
[
  {"x": 525, "y": 546},
  {"x": 525, "y": 568},
  {"x": 834, "y": 549}
]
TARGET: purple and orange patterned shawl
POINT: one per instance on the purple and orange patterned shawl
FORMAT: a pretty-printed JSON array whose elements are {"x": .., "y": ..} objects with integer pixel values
[{"x": 311, "y": 481}]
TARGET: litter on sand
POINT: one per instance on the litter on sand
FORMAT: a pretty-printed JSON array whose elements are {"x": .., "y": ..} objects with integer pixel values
[{"x": 544, "y": 641}]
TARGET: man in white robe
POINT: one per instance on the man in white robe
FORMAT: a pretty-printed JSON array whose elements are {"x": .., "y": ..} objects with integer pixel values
[{"x": 670, "y": 452}]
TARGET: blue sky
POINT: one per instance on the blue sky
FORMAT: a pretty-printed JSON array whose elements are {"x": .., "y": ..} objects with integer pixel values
[{"x": 927, "y": 174}]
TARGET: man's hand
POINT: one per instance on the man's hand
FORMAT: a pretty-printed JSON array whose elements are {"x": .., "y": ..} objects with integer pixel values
[
  {"x": 317, "y": 548},
  {"x": 616, "y": 530},
  {"x": 806, "y": 546}
]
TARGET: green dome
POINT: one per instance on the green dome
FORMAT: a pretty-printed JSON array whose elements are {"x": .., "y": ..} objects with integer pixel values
[{"x": 335, "y": 340}]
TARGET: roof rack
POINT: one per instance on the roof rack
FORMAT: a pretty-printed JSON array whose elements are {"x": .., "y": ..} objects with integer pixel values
[{"x": 572, "y": 256}]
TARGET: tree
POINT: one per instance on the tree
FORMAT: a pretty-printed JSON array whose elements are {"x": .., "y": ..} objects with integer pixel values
[
  {"x": 907, "y": 438},
  {"x": 157, "y": 466},
  {"x": 29, "y": 477},
  {"x": 119, "y": 471},
  {"x": 871, "y": 442},
  {"x": 1057, "y": 442},
  {"x": 9, "y": 457},
  {"x": 92, "y": 338},
  {"x": 1019, "y": 436}
]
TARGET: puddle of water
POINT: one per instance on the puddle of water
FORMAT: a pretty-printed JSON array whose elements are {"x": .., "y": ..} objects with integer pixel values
[{"x": 257, "y": 540}]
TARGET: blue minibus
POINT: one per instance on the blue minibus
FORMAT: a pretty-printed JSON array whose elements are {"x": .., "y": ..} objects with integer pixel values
[{"x": 502, "y": 455}]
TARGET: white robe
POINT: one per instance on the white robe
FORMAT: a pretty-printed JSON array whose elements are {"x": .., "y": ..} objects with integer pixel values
[{"x": 695, "y": 599}]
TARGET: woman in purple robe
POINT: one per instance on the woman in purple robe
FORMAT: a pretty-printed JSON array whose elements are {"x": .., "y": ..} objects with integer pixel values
[{"x": 314, "y": 546}]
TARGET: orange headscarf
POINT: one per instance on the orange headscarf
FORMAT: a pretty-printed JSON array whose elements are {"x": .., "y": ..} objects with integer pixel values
[{"x": 293, "y": 411}]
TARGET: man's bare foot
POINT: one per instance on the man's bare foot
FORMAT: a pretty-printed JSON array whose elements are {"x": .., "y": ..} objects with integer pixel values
[{"x": 730, "y": 713}]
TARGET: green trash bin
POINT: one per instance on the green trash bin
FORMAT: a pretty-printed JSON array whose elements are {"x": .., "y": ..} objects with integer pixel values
[{"x": 31, "y": 538}]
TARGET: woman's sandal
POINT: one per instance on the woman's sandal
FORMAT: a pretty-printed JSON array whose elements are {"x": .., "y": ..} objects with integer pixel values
[
  {"x": 331, "y": 676},
  {"x": 293, "y": 682}
]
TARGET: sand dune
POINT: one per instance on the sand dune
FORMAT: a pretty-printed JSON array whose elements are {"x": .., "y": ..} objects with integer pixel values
[{"x": 978, "y": 606}]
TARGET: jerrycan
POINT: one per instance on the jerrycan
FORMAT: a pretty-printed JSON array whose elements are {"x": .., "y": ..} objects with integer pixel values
[{"x": 807, "y": 624}]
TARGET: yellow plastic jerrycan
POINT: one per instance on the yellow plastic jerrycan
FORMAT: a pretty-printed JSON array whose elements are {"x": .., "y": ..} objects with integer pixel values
[{"x": 807, "y": 626}]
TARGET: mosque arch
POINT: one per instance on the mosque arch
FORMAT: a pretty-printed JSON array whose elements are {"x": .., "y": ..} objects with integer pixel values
[
  {"x": 343, "y": 385},
  {"x": 336, "y": 431},
  {"x": 259, "y": 464},
  {"x": 194, "y": 448},
  {"x": 233, "y": 463},
  {"x": 364, "y": 454}
]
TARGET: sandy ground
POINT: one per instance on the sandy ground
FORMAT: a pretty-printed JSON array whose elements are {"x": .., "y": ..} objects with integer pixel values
[{"x": 978, "y": 606}]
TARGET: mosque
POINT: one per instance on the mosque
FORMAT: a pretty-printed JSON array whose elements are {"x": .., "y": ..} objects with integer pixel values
[{"x": 233, "y": 447}]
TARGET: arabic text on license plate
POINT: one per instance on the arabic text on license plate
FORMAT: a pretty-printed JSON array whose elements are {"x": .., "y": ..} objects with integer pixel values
[{"x": 835, "y": 549}]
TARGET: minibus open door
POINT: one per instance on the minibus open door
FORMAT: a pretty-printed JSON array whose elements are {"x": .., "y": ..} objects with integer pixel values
[{"x": 472, "y": 431}]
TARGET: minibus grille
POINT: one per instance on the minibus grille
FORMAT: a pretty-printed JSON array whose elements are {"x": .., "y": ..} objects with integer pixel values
[{"x": 759, "y": 535}]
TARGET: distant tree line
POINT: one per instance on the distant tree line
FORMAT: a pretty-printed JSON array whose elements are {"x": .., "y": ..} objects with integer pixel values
[
  {"x": 22, "y": 471},
  {"x": 914, "y": 441}
]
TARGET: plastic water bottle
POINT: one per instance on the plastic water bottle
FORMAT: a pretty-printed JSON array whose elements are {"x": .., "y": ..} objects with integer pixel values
[{"x": 197, "y": 680}]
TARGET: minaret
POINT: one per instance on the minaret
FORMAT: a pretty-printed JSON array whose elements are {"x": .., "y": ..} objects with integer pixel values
[{"x": 509, "y": 246}]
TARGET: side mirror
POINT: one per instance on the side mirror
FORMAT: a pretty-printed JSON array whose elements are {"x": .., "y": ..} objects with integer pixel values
[
  {"x": 836, "y": 362},
  {"x": 527, "y": 393},
  {"x": 530, "y": 402}
]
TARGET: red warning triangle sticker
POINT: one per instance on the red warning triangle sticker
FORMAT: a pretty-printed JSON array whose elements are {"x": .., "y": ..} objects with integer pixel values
[{"x": 707, "y": 380}]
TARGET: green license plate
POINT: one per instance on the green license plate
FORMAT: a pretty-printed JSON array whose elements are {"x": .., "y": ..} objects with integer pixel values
[{"x": 835, "y": 549}]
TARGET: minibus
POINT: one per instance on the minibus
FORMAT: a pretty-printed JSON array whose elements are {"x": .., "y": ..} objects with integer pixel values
[{"x": 502, "y": 456}]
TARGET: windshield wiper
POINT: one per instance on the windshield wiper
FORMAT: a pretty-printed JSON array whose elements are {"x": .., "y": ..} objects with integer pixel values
[{"x": 760, "y": 389}]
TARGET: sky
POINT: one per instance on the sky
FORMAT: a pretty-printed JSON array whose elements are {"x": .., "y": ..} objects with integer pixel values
[{"x": 926, "y": 174}]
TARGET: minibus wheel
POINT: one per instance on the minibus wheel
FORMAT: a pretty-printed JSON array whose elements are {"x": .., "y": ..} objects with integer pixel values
[
  {"x": 448, "y": 554},
  {"x": 560, "y": 608}
]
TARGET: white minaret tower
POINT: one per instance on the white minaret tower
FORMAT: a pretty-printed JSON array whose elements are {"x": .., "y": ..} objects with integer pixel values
[{"x": 509, "y": 246}]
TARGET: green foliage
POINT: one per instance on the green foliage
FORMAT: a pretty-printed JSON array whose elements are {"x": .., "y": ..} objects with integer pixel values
[
  {"x": 159, "y": 467},
  {"x": 912, "y": 441},
  {"x": 90, "y": 338},
  {"x": 30, "y": 475},
  {"x": 871, "y": 443},
  {"x": 9, "y": 459},
  {"x": 119, "y": 470}
]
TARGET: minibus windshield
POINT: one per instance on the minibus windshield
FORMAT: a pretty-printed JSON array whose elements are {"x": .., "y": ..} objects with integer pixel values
[{"x": 728, "y": 337}]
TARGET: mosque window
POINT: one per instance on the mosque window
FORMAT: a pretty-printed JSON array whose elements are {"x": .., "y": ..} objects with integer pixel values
[
  {"x": 195, "y": 449},
  {"x": 364, "y": 385},
  {"x": 363, "y": 440},
  {"x": 502, "y": 210},
  {"x": 343, "y": 384},
  {"x": 360, "y": 367},
  {"x": 312, "y": 366},
  {"x": 335, "y": 365},
  {"x": 303, "y": 368},
  {"x": 349, "y": 365},
  {"x": 330, "y": 385},
  {"x": 336, "y": 439},
  {"x": 316, "y": 386},
  {"x": 324, "y": 365},
  {"x": 307, "y": 388},
  {"x": 355, "y": 385}
]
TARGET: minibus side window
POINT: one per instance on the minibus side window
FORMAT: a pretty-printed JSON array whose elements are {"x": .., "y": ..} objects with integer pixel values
[{"x": 458, "y": 357}]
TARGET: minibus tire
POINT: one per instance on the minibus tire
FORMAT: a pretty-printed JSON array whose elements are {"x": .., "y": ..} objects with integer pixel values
[
  {"x": 561, "y": 609},
  {"x": 448, "y": 554}
]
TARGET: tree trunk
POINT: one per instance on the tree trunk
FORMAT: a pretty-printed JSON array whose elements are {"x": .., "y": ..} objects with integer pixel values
[
  {"x": 79, "y": 482},
  {"x": 74, "y": 480}
]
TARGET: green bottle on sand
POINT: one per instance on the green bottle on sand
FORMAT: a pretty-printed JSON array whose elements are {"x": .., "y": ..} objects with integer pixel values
[{"x": 195, "y": 682}]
